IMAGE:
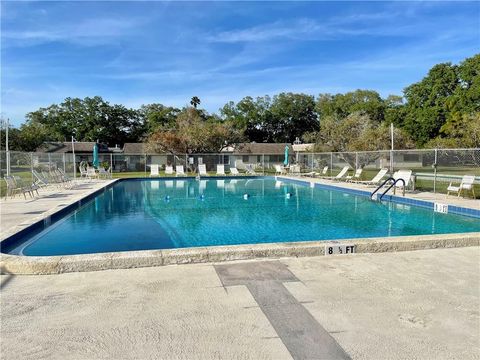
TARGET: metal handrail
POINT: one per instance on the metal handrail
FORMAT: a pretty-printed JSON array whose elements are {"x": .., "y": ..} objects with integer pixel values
[
  {"x": 394, "y": 181},
  {"x": 381, "y": 196},
  {"x": 382, "y": 185}
]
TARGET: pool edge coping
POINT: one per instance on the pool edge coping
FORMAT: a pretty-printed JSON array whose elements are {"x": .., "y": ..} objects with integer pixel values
[{"x": 48, "y": 265}]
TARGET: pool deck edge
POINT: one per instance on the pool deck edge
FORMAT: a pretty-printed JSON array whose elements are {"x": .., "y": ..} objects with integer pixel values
[{"x": 29, "y": 265}]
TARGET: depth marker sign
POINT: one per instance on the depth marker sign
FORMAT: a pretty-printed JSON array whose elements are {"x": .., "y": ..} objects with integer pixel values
[{"x": 339, "y": 249}]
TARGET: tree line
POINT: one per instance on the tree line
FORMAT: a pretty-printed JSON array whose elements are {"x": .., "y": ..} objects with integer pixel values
[{"x": 441, "y": 110}]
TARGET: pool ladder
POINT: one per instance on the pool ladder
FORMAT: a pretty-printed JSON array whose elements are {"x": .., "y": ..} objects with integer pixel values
[{"x": 394, "y": 182}]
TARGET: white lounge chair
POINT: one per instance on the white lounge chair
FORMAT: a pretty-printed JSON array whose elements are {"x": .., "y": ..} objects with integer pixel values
[
  {"x": 315, "y": 174},
  {"x": 376, "y": 179},
  {"x": 154, "y": 170},
  {"x": 179, "y": 170},
  {"x": 280, "y": 170},
  {"x": 221, "y": 170},
  {"x": 405, "y": 175},
  {"x": 168, "y": 170},
  {"x": 356, "y": 176},
  {"x": 234, "y": 171},
  {"x": 202, "y": 170},
  {"x": 341, "y": 174},
  {"x": 465, "y": 184}
]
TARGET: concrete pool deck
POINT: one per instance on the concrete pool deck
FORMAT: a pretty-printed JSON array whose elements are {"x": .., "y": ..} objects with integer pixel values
[
  {"x": 408, "y": 305},
  {"x": 23, "y": 213}
]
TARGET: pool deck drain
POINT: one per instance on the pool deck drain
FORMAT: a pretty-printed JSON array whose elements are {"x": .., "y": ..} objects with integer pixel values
[{"x": 300, "y": 332}]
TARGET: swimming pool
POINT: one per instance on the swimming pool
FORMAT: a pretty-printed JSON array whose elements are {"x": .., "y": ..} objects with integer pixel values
[{"x": 145, "y": 214}]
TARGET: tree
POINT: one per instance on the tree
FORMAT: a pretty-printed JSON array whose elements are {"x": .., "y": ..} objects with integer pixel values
[
  {"x": 292, "y": 116},
  {"x": 426, "y": 102},
  {"x": 195, "y": 101},
  {"x": 357, "y": 132},
  {"x": 191, "y": 133},
  {"x": 340, "y": 106},
  {"x": 460, "y": 132},
  {"x": 157, "y": 115},
  {"x": 88, "y": 119},
  {"x": 280, "y": 119}
]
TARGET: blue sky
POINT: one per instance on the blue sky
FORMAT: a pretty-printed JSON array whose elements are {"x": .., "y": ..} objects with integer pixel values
[{"x": 142, "y": 52}]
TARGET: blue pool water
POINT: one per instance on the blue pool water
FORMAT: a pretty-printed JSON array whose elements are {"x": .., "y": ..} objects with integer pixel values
[{"x": 162, "y": 214}]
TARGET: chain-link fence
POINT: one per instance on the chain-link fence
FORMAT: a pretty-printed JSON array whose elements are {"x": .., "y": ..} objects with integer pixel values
[{"x": 432, "y": 169}]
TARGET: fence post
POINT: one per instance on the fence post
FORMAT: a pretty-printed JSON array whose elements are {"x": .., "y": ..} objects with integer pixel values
[
  {"x": 49, "y": 162},
  {"x": 31, "y": 167},
  {"x": 391, "y": 161},
  {"x": 356, "y": 160},
  {"x": 331, "y": 164},
  {"x": 111, "y": 164},
  {"x": 145, "y": 162},
  {"x": 435, "y": 172},
  {"x": 74, "y": 167},
  {"x": 263, "y": 164},
  {"x": 7, "y": 158}
]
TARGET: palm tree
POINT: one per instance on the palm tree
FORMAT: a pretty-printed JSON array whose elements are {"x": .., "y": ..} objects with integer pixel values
[{"x": 195, "y": 101}]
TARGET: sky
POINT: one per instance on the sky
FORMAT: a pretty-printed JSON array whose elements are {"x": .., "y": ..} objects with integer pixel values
[{"x": 135, "y": 53}]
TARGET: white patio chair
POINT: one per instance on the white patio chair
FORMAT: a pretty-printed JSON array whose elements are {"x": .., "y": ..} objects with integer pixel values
[
  {"x": 234, "y": 171},
  {"x": 154, "y": 170},
  {"x": 202, "y": 170},
  {"x": 179, "y": 171},
  {"x": 221, "y": 170},
  {"x": 465, "y": 184},
  {"x": 279, "y": 169},
  {"x": 168, "y": 170},
  {"x": 91, "y": 173},
  {"x": 106, "y": 174}
]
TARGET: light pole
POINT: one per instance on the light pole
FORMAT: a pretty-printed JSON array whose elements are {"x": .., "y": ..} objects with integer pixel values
[
  {"x": 7, "y": 151},
  {"x": 391, "y": 150},
  {"x": 74, "y": 163}
]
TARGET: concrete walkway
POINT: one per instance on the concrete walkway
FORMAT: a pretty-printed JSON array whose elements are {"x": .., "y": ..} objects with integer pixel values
[{"x": 409, "y": 305}]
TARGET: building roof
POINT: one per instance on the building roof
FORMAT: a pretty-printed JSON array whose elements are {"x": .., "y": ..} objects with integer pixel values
[
  {"x": 258, "y": 148},
  {"x": 303, "y": 147},
  {"x": 66, "y": 147},
  {"x": 134, "y": 148},
  {"x": 138, "y": 148}
]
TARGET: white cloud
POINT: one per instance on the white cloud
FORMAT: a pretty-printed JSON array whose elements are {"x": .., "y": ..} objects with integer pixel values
[{"x": 90, "y": 31}]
